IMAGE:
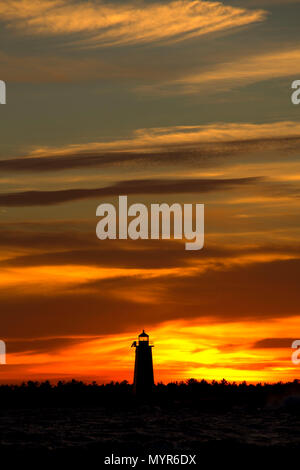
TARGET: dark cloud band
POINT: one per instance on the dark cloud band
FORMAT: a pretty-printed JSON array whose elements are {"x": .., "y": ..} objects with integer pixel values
[
  {"x": 167, "y": 155},
  {"x": 146, "y": 186}
]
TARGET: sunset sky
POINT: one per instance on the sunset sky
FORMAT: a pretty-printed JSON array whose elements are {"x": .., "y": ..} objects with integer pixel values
[{"x": 165, "y": 101}]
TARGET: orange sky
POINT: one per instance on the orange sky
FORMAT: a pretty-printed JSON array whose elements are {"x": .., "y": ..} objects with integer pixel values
[
  {"x": 182, "y": 349},
  {"x": 72, "y": 304},
  {"x": 168, "y": 101}
]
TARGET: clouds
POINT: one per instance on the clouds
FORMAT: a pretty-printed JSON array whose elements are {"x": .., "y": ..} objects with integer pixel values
[
  {"x": 45, "y": 345},
  {"x": 243, "y": 71},
  {"x": 267, "y": 343},
  {"x": 60, "y": 282},
  {"x": 62, "y": 356},
  {"x": 73, "y": 70},
  {"x": 98, "y": 24},
  {"x": 243, "y": 292},
  {"x": 167, "y": 186},
  {"x": 155, "y": 257},
  {"x": 151, "y": 139},
  {"x": 167, "y": 146}
]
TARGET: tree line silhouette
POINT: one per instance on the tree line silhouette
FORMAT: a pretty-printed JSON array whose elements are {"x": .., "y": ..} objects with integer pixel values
[{"x": 190, "y": 393}]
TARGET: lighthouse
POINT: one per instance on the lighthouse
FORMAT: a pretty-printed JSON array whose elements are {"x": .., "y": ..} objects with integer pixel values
[{"x": 143, "y": 367}]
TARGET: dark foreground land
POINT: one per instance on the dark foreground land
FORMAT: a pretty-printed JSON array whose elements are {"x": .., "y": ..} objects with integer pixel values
[{"x": 221, "y": 422}]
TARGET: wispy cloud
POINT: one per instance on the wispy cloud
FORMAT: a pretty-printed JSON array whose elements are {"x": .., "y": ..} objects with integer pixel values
[
  {"x": 159, "y": 186},
  {"x": 163, "y": 145},
  {"x": 97, "y": 23},
  {"x": 160, "y": 137},
  {"x": 226, "y": 76}
]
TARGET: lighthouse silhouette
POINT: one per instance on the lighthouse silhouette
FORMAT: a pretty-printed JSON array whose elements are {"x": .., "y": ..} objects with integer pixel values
[{"x": 143, "y": 367}]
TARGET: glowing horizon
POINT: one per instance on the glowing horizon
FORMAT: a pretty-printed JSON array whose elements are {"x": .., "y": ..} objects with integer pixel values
[
  {"x": 182, "y": 350},
  {"x": 172, "y": 101}
]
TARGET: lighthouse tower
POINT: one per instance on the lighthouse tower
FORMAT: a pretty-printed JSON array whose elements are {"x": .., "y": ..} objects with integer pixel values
[{"x": 143, "y": 368}]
